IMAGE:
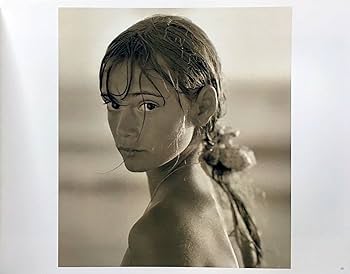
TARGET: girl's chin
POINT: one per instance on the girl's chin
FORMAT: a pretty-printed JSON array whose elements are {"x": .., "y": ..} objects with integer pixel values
[
  {"x": 136, "y": 166},
  {"x": 143, "y": 164}
]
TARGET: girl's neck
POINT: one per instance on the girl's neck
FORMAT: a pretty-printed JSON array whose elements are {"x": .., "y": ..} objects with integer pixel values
[{"x": 185, "y": 164}]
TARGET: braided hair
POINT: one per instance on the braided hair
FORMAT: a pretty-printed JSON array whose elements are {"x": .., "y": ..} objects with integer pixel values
[{"x": 182, "y": 54}]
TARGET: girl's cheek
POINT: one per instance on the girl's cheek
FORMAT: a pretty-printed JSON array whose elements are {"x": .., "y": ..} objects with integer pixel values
[{"x": 111, "y": 120}]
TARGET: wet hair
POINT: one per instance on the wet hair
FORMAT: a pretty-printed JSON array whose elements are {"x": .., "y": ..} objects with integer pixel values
[{"x": 183, "y": 55}]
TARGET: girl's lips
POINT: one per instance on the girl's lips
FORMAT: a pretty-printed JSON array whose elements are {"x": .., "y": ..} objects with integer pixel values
[
  {"x": 130, "y": 149},
  {"x": 129, "y": 152}
]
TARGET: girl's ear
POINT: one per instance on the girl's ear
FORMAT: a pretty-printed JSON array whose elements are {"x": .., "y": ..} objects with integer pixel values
[{"x": 204, "y": 106}]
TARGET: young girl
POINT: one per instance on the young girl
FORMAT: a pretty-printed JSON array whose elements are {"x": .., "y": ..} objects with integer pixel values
[{"x": 161, "y": 81}]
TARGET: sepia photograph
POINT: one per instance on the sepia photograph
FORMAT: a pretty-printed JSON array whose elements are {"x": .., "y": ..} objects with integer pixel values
[{"x": 174, "y": 137}]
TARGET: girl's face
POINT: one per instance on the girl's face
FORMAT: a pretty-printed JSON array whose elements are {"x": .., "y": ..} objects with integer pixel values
[{"x": 149, "y": 129}]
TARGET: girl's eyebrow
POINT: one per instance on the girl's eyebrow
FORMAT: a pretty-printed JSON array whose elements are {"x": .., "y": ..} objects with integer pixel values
[{"x": 134, "y": 94}]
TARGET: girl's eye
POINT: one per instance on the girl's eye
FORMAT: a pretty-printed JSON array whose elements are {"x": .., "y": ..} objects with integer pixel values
[
  {"x": 113, "y": 106},
  {"x": 148, "y": 106}
]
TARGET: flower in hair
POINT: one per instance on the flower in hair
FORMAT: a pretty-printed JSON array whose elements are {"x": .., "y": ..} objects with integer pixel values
[{"x": 228, "y": 155}]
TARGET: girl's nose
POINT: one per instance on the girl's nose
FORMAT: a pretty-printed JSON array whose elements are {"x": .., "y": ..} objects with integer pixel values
[{"x": 128, "y": 124}]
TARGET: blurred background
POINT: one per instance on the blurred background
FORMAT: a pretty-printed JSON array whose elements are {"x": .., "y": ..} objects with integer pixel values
[{"x": 97, "y": 209}]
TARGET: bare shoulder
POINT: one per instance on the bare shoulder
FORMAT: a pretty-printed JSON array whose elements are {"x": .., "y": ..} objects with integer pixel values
[{"x": 181, "y": 231}]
